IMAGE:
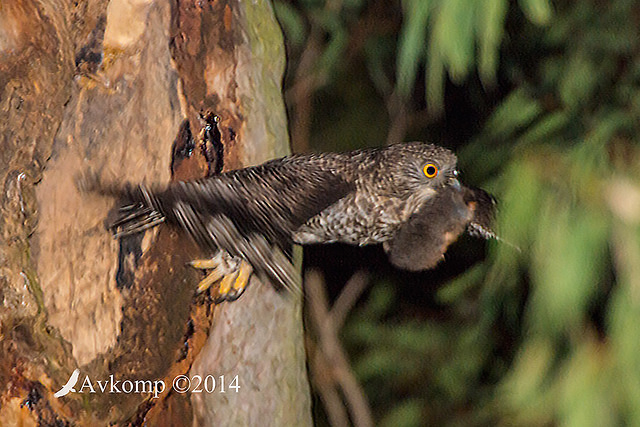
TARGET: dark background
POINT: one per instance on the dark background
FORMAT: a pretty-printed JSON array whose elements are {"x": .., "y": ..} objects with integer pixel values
[{"x": 540, "y": 100}]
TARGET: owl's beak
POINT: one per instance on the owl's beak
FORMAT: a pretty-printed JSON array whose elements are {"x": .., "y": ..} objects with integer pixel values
[{"x": 453, "y": 180}]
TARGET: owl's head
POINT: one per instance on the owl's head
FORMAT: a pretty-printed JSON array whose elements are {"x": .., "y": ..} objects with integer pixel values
[{"x": 418, "y": 166}]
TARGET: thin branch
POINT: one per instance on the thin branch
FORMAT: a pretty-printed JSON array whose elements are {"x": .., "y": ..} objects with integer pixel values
[
  {"x": 330, "y": 365},
  {"x": 348, "y": 297}
]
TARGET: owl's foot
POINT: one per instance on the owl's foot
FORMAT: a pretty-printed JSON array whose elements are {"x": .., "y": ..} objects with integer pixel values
[
  {"x": 232, "y": 273},
  {"x": 232, "y": 286}
]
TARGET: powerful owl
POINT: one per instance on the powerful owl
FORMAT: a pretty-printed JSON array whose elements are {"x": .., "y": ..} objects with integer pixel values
[{"x": 404, "y": 196}]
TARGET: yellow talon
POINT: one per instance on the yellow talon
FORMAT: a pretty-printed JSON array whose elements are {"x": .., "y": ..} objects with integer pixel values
[
  {"x": 226, "y": 284},
  {"x": 244, "y": 274},
  {"x": 205, "y": 264},
  {"x": 233, "y": 275},
  {"x": 211, "y": 278}
]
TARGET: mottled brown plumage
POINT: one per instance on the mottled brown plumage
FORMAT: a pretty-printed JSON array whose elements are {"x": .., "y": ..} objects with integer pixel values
[{"x": 361, "y": 197}]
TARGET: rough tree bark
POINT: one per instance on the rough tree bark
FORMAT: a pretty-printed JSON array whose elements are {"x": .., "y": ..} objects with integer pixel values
[{"x": 106, "y": 85}]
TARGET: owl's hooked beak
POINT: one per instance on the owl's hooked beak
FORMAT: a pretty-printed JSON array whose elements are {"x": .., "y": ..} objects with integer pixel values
[{"x": 453, "y": 180}]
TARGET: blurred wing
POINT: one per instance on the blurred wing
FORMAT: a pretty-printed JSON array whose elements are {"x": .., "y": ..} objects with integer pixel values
[
  {"x": 250, "y": 212},
  {"x": 218, "y": 231},
  {"x": 273, "y": 199}
]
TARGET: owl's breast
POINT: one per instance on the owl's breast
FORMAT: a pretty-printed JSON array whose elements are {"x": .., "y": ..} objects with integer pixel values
[{"x": 361, "y": 218}]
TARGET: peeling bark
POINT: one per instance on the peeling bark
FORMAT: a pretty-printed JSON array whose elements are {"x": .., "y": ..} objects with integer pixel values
[{"x": 106, "y": 86}]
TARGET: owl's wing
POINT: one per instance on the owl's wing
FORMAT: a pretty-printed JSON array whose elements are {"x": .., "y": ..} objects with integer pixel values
[
  {"x": 421, "y": 242},
  {"x": 273, "y": 199},
  {"x": 250, "y": 213}
]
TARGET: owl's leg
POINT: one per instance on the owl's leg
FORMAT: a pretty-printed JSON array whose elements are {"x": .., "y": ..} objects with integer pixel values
[{"x": 232, "y": 273}]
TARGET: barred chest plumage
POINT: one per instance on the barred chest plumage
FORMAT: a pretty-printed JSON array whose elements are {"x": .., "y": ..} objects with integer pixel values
[{"x": 363, "y": 217}]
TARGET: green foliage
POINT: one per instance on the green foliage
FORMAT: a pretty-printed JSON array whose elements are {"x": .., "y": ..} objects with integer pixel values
[
  {"x": 550, "y": 146},
  {"x": 328, "y": 21},
  {"x": 292, "y": 23},
  {"x": 454, "y": 37},
  {"x": 545, "y": 333}
]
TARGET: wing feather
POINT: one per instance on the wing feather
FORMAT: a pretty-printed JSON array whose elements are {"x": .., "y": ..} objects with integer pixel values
[
  {"x": 251, "y": 213},
  {"x": 273, "y": 199}
]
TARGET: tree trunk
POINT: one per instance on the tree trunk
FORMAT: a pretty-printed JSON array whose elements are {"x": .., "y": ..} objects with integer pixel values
[{"x": 106, "y": 86}]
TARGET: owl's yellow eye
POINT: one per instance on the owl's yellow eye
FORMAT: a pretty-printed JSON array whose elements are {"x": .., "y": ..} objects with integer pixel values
[{"x": 430, "y": 170}]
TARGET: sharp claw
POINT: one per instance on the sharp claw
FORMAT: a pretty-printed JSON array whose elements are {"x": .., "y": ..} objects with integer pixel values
[
  {"x": 220, "y": 298},
  {"x": 233, "y": 295}
]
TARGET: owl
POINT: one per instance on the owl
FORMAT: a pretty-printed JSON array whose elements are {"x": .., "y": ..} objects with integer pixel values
[{"x": 406, "y": 197}]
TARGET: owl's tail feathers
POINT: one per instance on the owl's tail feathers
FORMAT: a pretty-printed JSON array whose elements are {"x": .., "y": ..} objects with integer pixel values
[{"x": 139, "y": 207}]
